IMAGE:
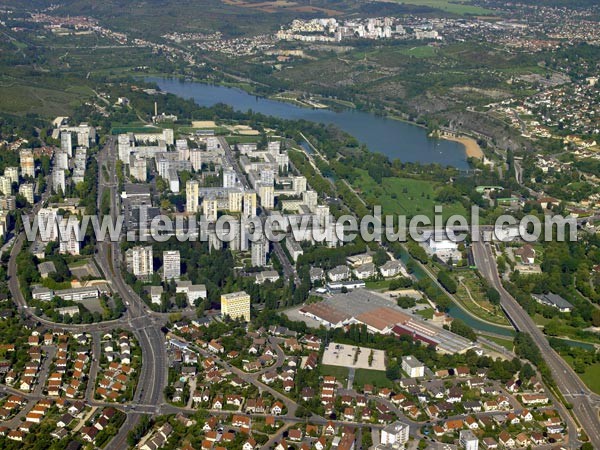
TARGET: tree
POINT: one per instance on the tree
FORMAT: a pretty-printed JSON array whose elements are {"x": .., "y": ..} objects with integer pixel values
[
  {"x": 380, "y": 257},
  {"x": 462, "y": 329},
  {"x": 447, "y": 281},
  {"x": 527, "y": 372},
  {"x": 493, "y": 295}
]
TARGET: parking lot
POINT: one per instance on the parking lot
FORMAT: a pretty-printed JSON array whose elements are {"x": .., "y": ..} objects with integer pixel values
[{"x": 353, "y": 357}]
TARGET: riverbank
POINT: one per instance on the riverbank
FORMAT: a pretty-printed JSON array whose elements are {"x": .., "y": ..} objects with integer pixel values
[{"x": 472, "y": 148}]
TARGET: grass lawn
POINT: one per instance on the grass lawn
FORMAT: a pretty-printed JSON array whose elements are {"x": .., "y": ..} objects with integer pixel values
[
  {"x": 231, "y": 140},
  {"x": 426, "y": 313},
  {"x": 402, "y": 196},
  {"x": 374, "y": 377},
  {"x": 79, "y": 262},
  {"x": 423, "y": 51},
  {"x": 340, "y": 373},
  {"x": 378, "y": 285},
  {"x": 591, "y": 376}
]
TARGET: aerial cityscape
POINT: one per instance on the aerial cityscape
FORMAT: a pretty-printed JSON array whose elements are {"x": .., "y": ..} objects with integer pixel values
[{"x": 300, "y": 224}]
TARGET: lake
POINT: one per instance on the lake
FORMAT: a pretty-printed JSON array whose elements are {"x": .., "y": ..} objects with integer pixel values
[{"x": 394, "y": 138}]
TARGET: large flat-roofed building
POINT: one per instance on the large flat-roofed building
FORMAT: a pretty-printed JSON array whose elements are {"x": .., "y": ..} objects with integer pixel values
[
  {"x": 236, "y": 304},
  {"x": 381, "y": 315},
  {"x": 78, "y": 294},
  {"x": 326, "y": 315}
]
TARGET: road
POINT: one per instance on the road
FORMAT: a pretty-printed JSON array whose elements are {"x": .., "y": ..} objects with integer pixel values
[
  {"x": 145, "y": 326},
  {"x": 567, "y": 381},
  {"x": 289, "y": 270}
]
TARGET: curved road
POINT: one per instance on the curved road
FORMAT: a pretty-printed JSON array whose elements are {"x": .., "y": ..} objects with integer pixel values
[{"x": 567, "y": 381}]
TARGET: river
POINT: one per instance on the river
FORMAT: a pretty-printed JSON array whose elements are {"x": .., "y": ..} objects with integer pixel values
[{"x": 394, "y": 138}]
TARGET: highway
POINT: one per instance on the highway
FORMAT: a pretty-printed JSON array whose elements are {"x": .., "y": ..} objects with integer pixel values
[
  {"x": 145, "y": 326},
  {"x": 567, "y": 381}
]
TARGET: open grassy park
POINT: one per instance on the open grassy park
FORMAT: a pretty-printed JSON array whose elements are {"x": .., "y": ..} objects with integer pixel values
[
  {"x": 454, "y": 7},
  {"x": 403, "y": 196}
]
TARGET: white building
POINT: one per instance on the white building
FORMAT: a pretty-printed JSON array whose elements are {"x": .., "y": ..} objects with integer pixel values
[
  {"x": 27, "y": 163},
  {"x": 444, "y": 249},
  {"x": 171, "y": 265},
  {"x": 61, "y": 160},
  {"x": 26, "y": 190},
  {"x": 196, "y": 291},
  {"x": 138, "y": 168},
  {"x": 229, "y": 178},
  {"x": 70, "y": 239},
  {"x": 266, "y": 193},
  {"x": 259, "y": 249},
  {"x": 66, "y": 143},
  {"x": 310, "y": 198},
  {"x": 210, "y": 208},
  {"x": 395, "y": 434},
  {"x": 293, "y": 247},
  {"x": 413, "y": 367},
  {"x": 156, "y": 294},
  {"x": 196, "y": 159},
  {"x": 390, "y": 269},
  {"x": 5, "y": 185},
  {"x": 468, "y": 440},
  {"x": 47, "y": 224},
  {"x": 59, "y": 183},
  {"x": 339, "y": 273},
  {"x": 192, "y": 195},
  {"x": 139, "y": 261},
  {"x": 173, "y": 180},
  {"x": 12, "y": 173}
]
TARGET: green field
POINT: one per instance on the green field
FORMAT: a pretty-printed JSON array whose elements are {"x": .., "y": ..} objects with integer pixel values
[
  {"x": 374, "y": 377},
  {"x": 450, "y": 6},
  {"x": 424, "y": 51},
  {"x": 506, "y": 343},
  {"x": 19, "y": 99},
  {"x": 341, "y": 373},
  {"x": 402, "y": 196}
]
